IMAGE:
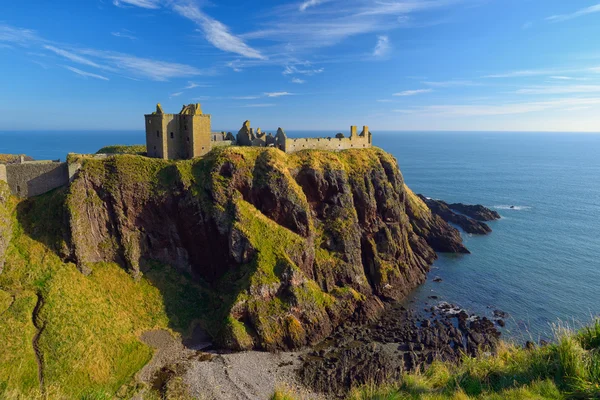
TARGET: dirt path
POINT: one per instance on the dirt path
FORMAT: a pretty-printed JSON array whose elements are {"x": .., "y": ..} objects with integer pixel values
[{"x": 208, "y": 374}]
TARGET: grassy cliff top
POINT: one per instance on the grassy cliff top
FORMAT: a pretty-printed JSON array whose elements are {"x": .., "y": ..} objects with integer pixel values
[{"x": 123, "y": 149}]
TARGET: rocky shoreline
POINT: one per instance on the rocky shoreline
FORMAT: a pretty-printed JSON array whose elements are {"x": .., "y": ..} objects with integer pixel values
[{"x": 402, "y": 340}]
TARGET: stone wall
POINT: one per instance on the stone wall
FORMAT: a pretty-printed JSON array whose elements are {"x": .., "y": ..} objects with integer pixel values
[
  {"x": 36, "y": 177},
  {"x": 292, "y": 145},
  {"x": 3, "y": 173}
]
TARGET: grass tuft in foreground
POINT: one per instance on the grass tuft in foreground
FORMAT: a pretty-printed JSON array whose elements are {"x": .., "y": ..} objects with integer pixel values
[{"x": 567, "y": 369}]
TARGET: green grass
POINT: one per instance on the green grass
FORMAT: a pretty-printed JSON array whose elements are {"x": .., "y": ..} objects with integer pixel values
[
  {"x": 89, "y": 344},
  {"x": 123, "y": 149}
]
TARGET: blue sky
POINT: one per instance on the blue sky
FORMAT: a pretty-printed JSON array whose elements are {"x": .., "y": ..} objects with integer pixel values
[{"x": 519, "y": 65}]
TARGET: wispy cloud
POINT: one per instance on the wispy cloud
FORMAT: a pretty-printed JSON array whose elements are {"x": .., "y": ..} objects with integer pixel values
[
  {"x": 385, "y": 101},
  {"x": 412, "y": 92},
  {"x": 451, "y": 83},
  {"x": 245, "y": 97},
  {"x": 149, "y": 4},
  {"x": 259, "y": 105},
  {"x": 86, "y": 74},
  {"x": 176, "y": 94},
  {"x": 335, "y": 21},
  {"x": 461, "y": 110},
  {"x": 310, "y": 3},
  {"x": 217, "y": 33},
  {"x": 563, "y": 78},
  {"x": 278, "y": 94},
  {"x": 382, "y": 48},
  {"x": 18, "y": 36},
  {"x": 579, "y": 13},
  {"x": 523, "y": 73},
  {"x": 293, "y": 69},
  {"x": 124, "y": 33},
  {"x": 134, "y": 66},
  {"x": 193, "y": 85},
  {"x": 559, "y": 89},
  {"x": 527, "y": 25},
  {"x": 298, "y": 81},
  {"x": 74, "y": 57}
]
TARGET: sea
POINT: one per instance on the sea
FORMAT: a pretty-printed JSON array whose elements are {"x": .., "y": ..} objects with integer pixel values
[{"x": 541, "y": 263}]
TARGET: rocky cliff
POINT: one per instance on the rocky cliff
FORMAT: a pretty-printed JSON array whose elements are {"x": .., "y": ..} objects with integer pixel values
[{"x": 289, "y": 246}]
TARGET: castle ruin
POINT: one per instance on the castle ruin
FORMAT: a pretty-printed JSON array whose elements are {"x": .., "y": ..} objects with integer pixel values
[
  {"x": 178, "y": 136},
  {"x": 188, "y": 134}
]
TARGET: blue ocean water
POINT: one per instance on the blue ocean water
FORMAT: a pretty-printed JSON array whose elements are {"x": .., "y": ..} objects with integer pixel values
[{"x": 541, "y": 262}]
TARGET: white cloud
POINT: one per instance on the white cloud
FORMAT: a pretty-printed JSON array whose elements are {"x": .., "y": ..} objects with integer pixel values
[
  {"x": 578, "y": 13},
  {"x": 412, "y": 92},
  {"x": 336, "y": 21},
  {"x": 193, "y": 85},
  {"x": 124, "y": 34},
  {"x": 523, "y": 73},
  {"x": 19, "y": 36},
  {"x": 562, "y": 78},
  {"x": 278, "y": 94},
  {"x": 217, "y": 33},
  {"x": 74, "y": 57},
  {"x": 149, "y": 4},
  {"x": 385, "y": 101},
  {"x": 451, "y": 83},
  {"x": 177, "y": 94},
  {"x": 527, "y": 25},
  {"x": 259, "y": 105},
  {"x": 298, "y": 81},
  {"x": 310, "y": 3},
  {"x": 245, "y": 97},
  {"x": 292, "y": 69},
  {"x": 382, "y": 48},
  {"x": 86, "y": 74},
  {"x": 501, "y": 109},
  {"x": 559, "y": 89}
]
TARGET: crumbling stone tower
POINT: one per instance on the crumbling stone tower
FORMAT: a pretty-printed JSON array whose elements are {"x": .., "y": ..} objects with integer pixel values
[{"x": 178, "y": 136}]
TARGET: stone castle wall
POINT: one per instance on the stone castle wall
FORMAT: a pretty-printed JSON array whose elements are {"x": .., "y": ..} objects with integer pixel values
[
  {"x": 3, "y": 173},
  {"x": 36, "y": 177},
  {"x": 292, "y": 145}
]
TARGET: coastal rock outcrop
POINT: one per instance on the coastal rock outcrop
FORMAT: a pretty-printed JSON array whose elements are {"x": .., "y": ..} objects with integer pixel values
[
  {"x": 287, "y": 246},
  {"x": 478, "y": 212},
  {"x": 468, "y": 224}
]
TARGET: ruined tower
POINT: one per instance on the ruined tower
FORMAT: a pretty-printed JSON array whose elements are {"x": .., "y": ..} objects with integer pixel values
[{"x": 178, "y": 136}]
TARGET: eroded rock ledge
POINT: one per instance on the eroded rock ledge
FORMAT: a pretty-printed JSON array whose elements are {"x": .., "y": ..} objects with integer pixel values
[
  {"x": 468, "y": 217},
  {"x": 287, "y": 246}
]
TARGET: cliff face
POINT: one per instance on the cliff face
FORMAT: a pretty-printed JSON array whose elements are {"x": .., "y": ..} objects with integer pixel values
[{"x": 290, "y": 246}]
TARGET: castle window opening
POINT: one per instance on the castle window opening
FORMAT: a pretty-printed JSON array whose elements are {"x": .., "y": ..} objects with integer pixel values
[
  {"x": 18, "y": 189},
  {"x": 157, "y": 133},
  {"x": 185, "y": 127},
  {"x": 172, "y": 135}
]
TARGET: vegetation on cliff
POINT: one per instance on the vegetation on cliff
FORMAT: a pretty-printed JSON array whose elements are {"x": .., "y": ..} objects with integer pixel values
[
  {"x": 285, "y": 246},
  {"x": 263, "y": 249},
  {"x": 123, "y": 149}
]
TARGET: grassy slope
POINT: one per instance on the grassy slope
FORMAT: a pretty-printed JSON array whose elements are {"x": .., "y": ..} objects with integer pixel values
[
  {"x": 567, "y": 369},
  {"x": 90, "y": 324}
]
